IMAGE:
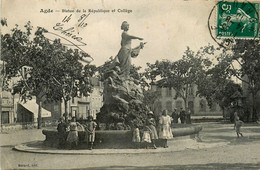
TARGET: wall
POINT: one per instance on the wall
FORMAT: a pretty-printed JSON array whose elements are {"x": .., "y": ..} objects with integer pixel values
[
  {"x": 198, "y": 105},
  {"x": 54, "y": 108},
  {"x": 82, "y": 107},
  {"x": 7, "y": 108}
]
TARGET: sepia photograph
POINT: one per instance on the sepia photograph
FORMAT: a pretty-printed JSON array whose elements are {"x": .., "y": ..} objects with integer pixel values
[{"x": 130, "y": 84}]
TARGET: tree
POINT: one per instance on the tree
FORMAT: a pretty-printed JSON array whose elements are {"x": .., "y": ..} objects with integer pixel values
[
  {"x": 150, "y": 98},
  {"x": 136, "y": 74},
  {"x": 70, "y": 78},
  {"x": 241, "y": 62},
  {"x": 108, "y": 65},
  {"x": 181, "y": 75},
  {"x": 216, "y": 84},
  {"x": 218, "y": 90},
  {"x": 247, "y": 54},
  {"x": 16, "y": 53},
  {"x": 55, "y": 73}
]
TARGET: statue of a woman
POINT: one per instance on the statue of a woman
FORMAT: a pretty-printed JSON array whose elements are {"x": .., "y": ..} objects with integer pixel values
[{"x": 125, "y": 53}]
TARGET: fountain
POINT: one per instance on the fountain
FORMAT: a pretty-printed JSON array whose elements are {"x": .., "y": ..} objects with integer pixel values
[{"x": 123, "y": 103}]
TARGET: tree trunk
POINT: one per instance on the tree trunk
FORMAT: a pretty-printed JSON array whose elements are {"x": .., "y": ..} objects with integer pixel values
[
  {"x": 39, "y": 120},
  {"x": 223, "y": 113},
  {"x": 66, "y": 110},
  {"x": 254, "y": 115},
  {"x": 185, "y": 104}
]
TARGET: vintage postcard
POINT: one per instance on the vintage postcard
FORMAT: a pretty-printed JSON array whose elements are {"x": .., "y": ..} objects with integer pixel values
[{"x": 131, "y": 84}]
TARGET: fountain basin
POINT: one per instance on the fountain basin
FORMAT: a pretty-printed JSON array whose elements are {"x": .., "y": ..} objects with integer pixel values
[{"x": 119, "y": 139}]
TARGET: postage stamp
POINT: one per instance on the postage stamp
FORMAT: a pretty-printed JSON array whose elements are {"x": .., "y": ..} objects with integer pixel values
[{"x": 237, "y": 19}]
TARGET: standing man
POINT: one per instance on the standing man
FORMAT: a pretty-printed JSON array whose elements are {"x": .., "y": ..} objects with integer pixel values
[
  {"x": 62, "y": 127},
  {"x": 188, "y": 117},
  {"x": 175, "y": 116},
  {"x": 182, "y": 115}
]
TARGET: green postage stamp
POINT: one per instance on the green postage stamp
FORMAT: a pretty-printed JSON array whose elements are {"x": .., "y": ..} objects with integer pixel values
[{"x": 237, "y": 19}]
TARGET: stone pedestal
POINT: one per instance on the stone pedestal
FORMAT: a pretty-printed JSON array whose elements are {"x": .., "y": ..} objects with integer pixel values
[{"x": 123, "y": 101}]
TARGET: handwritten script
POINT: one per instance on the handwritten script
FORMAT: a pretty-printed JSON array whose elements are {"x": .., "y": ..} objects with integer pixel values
[
  {"x": 72, "y": 31},
  {"x": 70, "y": 34}
]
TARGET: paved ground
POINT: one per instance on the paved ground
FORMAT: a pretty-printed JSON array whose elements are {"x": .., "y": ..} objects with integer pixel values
[{"x": 242, "y": 153}]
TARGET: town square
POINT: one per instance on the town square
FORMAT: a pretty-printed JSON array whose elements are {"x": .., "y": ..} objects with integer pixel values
[{"x": 124, "y": 85}]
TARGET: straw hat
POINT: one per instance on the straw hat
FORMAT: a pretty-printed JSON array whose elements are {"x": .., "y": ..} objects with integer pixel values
[{"x": 150, "y": 113}]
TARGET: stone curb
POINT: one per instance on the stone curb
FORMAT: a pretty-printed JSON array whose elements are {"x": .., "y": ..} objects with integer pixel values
[{"x": 175, "y": 146}]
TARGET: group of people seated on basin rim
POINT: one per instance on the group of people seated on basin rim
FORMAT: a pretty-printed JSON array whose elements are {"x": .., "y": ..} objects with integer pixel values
[
  {"x": 147, "y": 135},
  {"x": 150, "y": 132},
  {"x": 71, "y": 140}
]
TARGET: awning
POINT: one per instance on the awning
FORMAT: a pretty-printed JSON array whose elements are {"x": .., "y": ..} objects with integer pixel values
[{"x": 32, "y": 106}]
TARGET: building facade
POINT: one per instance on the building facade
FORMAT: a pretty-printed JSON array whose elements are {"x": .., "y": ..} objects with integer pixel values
[
  {"x": 197, "y": 105},
  {"x": 14, "y": 111},
  {"x": 7, "y": 108},
  {"x": 82, "y": 107}
]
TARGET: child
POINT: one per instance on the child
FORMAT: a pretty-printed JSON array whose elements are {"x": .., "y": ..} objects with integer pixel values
[
  {"x": 136, "y": 137},
  {"x": 238, "y": 124},
  {"x": 151, "y": 125},
  {"x": 90, "y": 132},
  {"x": 236, "y": 118},
  {"x": 73, "y": 136},
  {"x": 165, "y": 131},
  {"x": 146, "y": 138}
]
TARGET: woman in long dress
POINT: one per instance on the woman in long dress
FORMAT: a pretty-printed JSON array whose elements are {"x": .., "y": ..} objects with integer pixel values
[
  {"x": 125, "y": 53},
  {"x": 165, "y": 131}
]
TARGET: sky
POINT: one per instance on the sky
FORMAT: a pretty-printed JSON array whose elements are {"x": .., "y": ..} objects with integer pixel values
[{"x": 168, "y": 26}]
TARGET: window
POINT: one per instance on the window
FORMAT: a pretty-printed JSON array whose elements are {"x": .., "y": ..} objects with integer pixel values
[
  {"x": 5, "y": 117},
  {"x": 56, "y": 108},
  {"x": 74, "y": 114},
  {"x": 82, "y": 110}
]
